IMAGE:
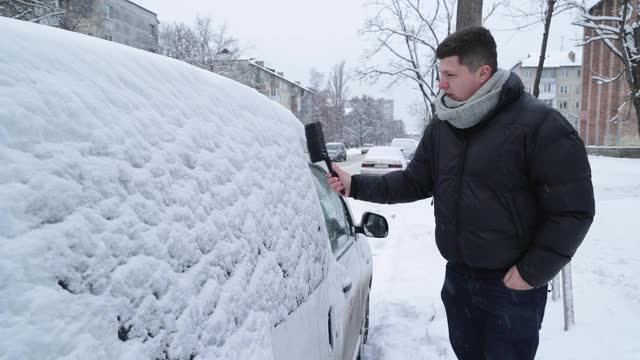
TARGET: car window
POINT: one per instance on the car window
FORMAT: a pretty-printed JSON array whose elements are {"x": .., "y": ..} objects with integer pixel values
[{"x": 336, "y": 215}]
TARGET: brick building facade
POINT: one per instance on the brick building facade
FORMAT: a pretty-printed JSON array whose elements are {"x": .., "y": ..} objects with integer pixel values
[{"x": 601, "y": 102}]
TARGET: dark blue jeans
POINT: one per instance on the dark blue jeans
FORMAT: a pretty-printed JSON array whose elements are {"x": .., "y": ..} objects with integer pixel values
[{"x": 487, "y": 320}]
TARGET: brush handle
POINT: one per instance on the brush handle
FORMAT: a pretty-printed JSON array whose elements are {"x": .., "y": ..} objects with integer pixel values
[{"x": 333, "y": 172}]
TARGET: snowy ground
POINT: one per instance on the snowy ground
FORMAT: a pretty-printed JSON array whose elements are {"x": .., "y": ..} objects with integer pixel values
[{"x": 407, "y": 316}]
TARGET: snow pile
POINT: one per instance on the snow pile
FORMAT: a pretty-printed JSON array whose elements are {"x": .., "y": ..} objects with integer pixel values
[{"x": 148, "y": 209}]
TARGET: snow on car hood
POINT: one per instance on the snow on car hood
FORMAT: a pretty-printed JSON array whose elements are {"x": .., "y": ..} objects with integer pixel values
[{"x": 148, "y": 208}]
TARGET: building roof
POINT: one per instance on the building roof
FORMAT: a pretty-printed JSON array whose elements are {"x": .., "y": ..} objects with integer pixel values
[
  {"x": 553, "y": 59},
  {"x": 274, "y": 73},
  {"x": 138, "y": 4}
]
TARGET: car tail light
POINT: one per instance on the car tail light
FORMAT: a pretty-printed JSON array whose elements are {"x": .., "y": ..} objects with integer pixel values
[
  {"x": 367, "y": 165},
  {"x": 395, "y": 166}
]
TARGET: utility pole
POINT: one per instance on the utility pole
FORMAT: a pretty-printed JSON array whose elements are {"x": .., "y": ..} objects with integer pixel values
[{"x": 469, "y": 14}]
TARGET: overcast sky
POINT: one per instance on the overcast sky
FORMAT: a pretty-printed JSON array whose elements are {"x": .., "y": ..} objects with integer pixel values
[{"x": 294, "y": 36}]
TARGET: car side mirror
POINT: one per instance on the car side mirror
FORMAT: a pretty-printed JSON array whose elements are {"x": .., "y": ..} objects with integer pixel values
[{"x": 373, "y": 225}]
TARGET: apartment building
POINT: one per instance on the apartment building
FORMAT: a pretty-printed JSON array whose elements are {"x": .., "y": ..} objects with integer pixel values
[{"x": 560, "y": 83}]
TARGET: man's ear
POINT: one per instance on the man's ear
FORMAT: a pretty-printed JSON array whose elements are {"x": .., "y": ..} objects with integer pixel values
[{"x": 485, "y": 73}]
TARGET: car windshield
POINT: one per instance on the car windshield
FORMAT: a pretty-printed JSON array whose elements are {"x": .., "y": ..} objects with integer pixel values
[{"x": 333, "y": 146}]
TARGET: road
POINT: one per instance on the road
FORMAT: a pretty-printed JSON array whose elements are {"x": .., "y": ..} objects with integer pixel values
[{"x": 352, "y": 165}]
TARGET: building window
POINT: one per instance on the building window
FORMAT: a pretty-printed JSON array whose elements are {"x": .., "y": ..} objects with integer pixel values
[
  {"x": 152, "y": 29},
  {"x": 548, "y": 102},
  {"x": 577, "y": 89},
  {"x": 578, "y": 72},
  {"x": 274, "y": 92},
  {"x": 546, "y": 88},
  {"x": 562, "y": 105},
  {"x": 564, "y": 73},
  {"x": 577, "y": 105},
  {"x": 109, "y": 12},
  {"x": 527, "y": 74},
  {"x": 108, "y": 37},
  {"x": 564, "y": 89}
]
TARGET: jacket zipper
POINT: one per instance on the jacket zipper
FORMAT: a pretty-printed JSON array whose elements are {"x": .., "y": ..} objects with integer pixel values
[{"x": 461, "y": 175}]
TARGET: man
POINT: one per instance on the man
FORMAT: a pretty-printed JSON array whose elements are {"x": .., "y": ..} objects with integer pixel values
[{"x": 513, "y": 198}]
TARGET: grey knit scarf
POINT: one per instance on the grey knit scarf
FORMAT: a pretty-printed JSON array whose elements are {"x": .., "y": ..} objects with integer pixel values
[{"x": 465, "y": 114}]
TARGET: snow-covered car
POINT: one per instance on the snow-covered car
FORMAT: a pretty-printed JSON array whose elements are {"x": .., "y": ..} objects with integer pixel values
[
  {"x": 154, "y": 210},
  {"x": 365, "y": 148},
  {"x": 383, "y": 159},
  {"x": 408, "y": 146},
  {"x": 337, "y": 151}
]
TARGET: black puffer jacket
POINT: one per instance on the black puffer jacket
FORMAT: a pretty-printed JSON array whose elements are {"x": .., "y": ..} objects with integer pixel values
[{"x": 514, "y": 189}]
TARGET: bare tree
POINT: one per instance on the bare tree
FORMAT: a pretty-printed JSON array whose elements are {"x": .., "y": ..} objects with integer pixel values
[
  {"x": 178, "y": 41},
  {"x": 362, "y": 121},
  {"x": 319, "y": 98},
  {"x": 204, "y": 45},
  {"x": 405, "y": 35},
  {"x": 63, "y": 14},
  {"x": 338, "y": 91},
  {"x": 38, "y": 11},
  {"x": 620, "y": 34},
  {"x": 528, "y": 14}
]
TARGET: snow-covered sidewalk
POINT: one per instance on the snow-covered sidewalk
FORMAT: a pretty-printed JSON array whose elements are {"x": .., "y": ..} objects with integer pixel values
[{"x": 407, "y": 316}]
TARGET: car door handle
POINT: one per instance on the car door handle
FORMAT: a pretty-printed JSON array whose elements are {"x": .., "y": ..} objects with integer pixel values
[
  {"x": 330, "y": 327},
  {"x": 346, "y": 286}
]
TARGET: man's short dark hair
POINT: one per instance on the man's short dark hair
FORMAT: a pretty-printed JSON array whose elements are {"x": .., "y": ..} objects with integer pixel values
[{"x": 474, "y": 47}]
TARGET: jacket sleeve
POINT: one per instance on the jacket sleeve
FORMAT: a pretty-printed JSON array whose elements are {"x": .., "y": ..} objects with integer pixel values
[
  {"x": 413, "y": 183},
  {"x": 559, "y": 168}
]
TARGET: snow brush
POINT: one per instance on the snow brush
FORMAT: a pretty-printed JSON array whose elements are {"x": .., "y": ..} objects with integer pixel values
[{"x": 317, "y": 147}]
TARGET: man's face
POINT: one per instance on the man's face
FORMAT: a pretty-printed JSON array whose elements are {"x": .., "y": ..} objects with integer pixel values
[{"x": 458, "y": 82}]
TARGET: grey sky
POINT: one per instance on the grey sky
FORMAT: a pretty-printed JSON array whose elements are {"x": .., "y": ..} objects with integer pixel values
[{"x": 294, "y": 36}]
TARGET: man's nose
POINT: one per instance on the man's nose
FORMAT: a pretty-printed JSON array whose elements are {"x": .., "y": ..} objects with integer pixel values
[{"x": 443, "y": 84}]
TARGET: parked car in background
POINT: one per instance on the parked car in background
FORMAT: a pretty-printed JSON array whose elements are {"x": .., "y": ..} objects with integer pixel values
[
  {"x": 383, "y": 159},
  {"x": 365, "y": 148},
  {"x": 165, "y": 217},
  {"x": 408, "y": 146},
  {"x": 337, "y": 151}
]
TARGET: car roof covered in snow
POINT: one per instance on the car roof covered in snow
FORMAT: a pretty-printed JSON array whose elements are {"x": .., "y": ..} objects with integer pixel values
[
  {"x": 384, "y": 152},
  {"x": 150, "y": 208}
]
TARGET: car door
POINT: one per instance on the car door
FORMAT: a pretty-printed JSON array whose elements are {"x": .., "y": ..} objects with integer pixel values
[
  {"x": 345, "y": 282},
  {"x": 366, "y": 259}
]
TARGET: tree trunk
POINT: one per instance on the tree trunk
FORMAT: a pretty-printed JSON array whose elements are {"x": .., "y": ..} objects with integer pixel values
[
  {"x": 636, "y": 105},
  {"x": 469, "y": 14},
  {"x": 635, "y": 74},
  {"x": 543, "y": 50}
]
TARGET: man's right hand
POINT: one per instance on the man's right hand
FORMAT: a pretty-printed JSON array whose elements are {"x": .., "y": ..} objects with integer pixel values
[{"x": 342, "y": 182}]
